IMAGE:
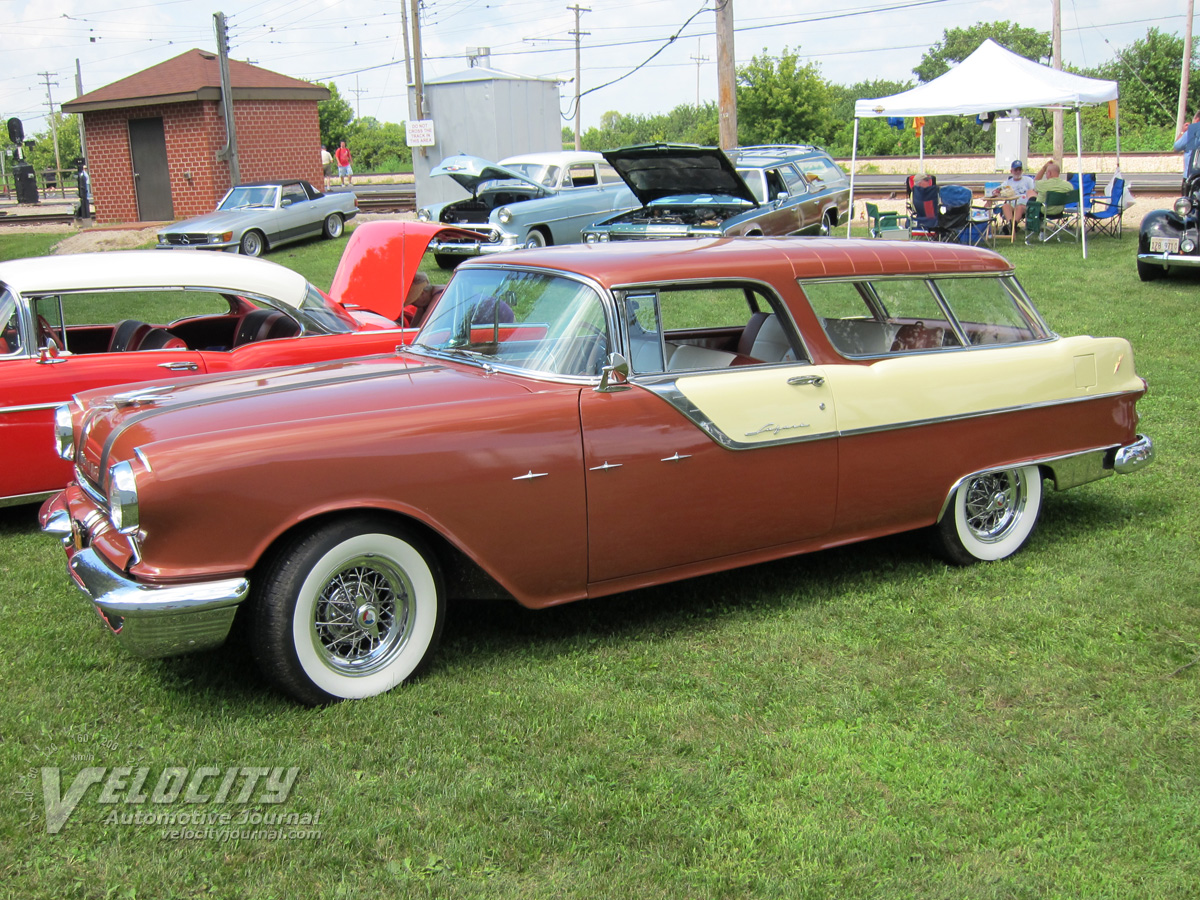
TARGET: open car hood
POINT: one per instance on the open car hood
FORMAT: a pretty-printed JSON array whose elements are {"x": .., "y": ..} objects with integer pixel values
[
  {"x": 471, "y": 171},
  {"x": 655, "y": 171},
  {"x": 379, "y": 262}
]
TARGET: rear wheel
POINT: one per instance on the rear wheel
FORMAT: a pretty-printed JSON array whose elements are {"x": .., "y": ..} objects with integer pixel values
[
  {"x": 333, "y": 226},
  {"x": 991, "y": 515},
  {"x": 828, "y": 223},
  {"x": 1149, "y": 271},
  {"x": 253, "y": 244},
  {"x": 349, "y": 611}
]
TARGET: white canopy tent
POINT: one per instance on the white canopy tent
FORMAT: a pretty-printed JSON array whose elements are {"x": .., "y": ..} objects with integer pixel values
[{"x": 992, "y": 78}]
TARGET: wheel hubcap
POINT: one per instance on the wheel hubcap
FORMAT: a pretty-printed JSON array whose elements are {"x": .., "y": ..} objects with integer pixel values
[
  {"x": 363, "y": 616},
  {"x": 994, "y": 503}
]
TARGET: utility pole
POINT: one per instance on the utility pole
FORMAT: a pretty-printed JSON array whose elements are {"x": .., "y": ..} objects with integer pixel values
[
  {"x": 579, "y": 10},
  {"x": 407, "y": 60},
  {"x": 54, "y": 131},
  {"x": 229, "y": 151},
  {"x": 1184, "y": 77},
  {"x": 79, "y": 93},
  {"x": 1056, "y": 61},
  {"x": 699, "y": 61},
  {"x": 418, "y": 73},
  {"x": 358, "y": 92},
  {"x": 726, "y": 76}
]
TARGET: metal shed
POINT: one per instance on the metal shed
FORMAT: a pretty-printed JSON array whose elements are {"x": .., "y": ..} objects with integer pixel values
[{"x": 487, "y": 113}]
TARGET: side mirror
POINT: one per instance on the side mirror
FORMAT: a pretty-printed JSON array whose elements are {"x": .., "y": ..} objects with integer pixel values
[
  {"x": 48, "y": 355},
  {"x": 285, "y": 202},
  {"x": 615, "y": 376},
  {"x": 781, "y": 196}
]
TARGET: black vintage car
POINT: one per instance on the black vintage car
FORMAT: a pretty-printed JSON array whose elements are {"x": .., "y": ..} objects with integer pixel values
[{"x": 1170, "y": 238}]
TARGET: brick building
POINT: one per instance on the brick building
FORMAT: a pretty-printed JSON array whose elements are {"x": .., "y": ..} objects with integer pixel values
[{"x": 152, "y": 138}]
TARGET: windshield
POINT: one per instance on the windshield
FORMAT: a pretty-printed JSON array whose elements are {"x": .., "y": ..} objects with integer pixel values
[
  {"x": 530, "y": 320},
  {"x": 245, "y": 197},
  {"x": 542, "y": 174},
  {"x": 314, "y": 310}
]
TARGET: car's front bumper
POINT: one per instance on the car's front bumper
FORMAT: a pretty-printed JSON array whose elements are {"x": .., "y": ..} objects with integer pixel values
[
  {"x": 149, "y": 620},
  {"x": 474, "y": 248},
  {"x": 1169, "y": 259},
  {"x": 230, "y": 246}
]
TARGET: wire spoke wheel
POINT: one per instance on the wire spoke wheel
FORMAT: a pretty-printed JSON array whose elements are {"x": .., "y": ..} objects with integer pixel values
[{"x": 991, "y": 515}]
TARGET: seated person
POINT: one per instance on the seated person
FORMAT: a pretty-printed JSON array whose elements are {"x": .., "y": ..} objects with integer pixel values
[
  {"x": 1017, "y": 189},
  {"x": 1049, "y": 178}
]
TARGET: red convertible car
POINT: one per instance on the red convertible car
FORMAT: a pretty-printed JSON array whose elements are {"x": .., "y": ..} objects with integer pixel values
[
  {"x": 72, "y": 323},
  {"x": 575, "y": 421}
]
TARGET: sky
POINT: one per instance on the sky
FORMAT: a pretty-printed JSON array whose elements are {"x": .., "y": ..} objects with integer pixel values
[{"x": 638, "y": 56}]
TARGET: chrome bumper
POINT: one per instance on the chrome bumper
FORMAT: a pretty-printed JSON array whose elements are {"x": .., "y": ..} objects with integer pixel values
[
  {"x": 148, "y": 620},
  {"x": 1169, "y": 259},
  {"x": 473, "y": 248},
  {"x": 1134, "y": 457}
]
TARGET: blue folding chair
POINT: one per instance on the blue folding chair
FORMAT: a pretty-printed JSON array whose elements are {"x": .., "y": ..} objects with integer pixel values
[
  {"x": 1074, "y": 215},
  {"x": 1105, "y": 214}
]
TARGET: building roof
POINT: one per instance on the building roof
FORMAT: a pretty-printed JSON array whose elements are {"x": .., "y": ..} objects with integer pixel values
[
  {"x": 195, "y": 75},
  {"x": 482, "y": 73}
]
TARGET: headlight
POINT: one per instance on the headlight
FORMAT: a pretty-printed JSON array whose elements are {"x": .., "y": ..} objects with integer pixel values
[
  {"x": 1187, "y": 245},
  {"x": 220, "y": 238},
  {"x": 1183, "y": 206},
  {"x": 64, "y": 432},
  {"x": 504, "y": 215},
  {"x": 162, "y": 238},
  {"x": 423, "y": 215},
  {"x": 123, "y": 498},
  {"x": 590, "y": 238}
]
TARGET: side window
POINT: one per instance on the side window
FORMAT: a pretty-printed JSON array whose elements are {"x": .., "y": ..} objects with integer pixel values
[
  {"x": 295, "y": 194},
  {"x": 899, "y": 315},
  {"x": 10, "y": 325},
  {"x": 988, "y": 311},
  {"x": 705, "y": 327},
  {"x": 582, "y": 175},
  {"x": 820, "y": 171},
  {"x": 608, "y": 175},
  {"x": 791, "y": 178},
  {"x": 775, "y": 185},
  {"x": 754, "y": 180}
]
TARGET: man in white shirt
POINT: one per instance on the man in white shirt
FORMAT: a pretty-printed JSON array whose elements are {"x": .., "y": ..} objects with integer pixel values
[{"x": 1020, "y": 186}]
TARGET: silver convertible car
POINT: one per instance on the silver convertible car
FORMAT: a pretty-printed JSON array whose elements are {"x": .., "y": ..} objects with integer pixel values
[
  {"x": 532, "y": 200},
  {"x": 252, "y": 218}
]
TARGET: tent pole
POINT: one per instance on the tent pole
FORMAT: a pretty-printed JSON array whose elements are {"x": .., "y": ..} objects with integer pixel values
[
  {"x": 921, "y": 163},
  {"x": 1079, "y": 156},
  {"x": 853, "y": 158},
  {"x": 1118, "y": 132}
]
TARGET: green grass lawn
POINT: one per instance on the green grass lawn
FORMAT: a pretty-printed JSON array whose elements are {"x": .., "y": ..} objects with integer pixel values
[{"x": 861, "y": 723}]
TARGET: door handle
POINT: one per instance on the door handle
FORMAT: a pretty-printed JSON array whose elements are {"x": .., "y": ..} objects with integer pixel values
[
  {"x": 179, "y": 366},
  {"x": 814, "y": 380}
]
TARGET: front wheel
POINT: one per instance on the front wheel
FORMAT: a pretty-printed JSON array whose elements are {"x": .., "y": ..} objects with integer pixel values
[
  {"x": 349, "y": 611},
  {"x": 991, "y": 515},
  {"x": 253, "y": 244},
  {"x": 1149, "y": 271},
  {"x": 333, "y": 226},
  {"x": 828, "y": 223},
  {"x": 447, "y": 261},
  {"x": 536, "y": 238}
]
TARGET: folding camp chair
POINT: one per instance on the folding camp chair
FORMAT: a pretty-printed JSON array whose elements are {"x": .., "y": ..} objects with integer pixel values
[
  {"x": 923, "y": 201},
  {"x": 1064, "y": 221},
  {"x": 1072, "y": 209},
  {"x": 954, "y": 214},
  {"x": 1035, "y": 219},
  {"x": 1105, "y": 214},
  {"x": 879, "y": 222}
]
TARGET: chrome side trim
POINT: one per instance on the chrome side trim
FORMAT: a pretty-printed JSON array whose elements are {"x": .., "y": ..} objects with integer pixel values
[
  {"x": 159, "y": 620},
  {"x": 21, "y": 499},
  {"x": 31, "y": 407}
]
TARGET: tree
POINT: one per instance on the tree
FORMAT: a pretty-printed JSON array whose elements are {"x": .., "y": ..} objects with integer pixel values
[
  {"x": 875, "y": 136},
  {"x": 41, "y": 155},
  {"x": 335, "y": 115},
  {"x": 379, "y": 146},
  {"x": 1148, "y": 74},
  {"x": 783, "y": 102},
  {"x": 959, "y": 43}
]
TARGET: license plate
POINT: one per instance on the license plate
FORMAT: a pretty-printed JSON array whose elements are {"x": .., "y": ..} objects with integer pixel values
[{"x": 1164, "y": 245}]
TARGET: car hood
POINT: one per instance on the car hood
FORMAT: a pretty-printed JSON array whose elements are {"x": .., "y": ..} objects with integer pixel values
[
  {"x": 655, "y": 171},
  {"x": 214, "y": 222},
  {"x": 380, "y": 261},
  {"x": 471, "y": 172},
  {"x": 338, "y": 397}
]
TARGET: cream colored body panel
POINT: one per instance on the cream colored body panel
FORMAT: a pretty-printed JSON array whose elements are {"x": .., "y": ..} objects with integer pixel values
[{"x": 757, "y": 405}]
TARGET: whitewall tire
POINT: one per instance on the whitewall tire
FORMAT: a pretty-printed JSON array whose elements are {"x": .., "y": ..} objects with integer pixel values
[{"x": 991, "y": 515}]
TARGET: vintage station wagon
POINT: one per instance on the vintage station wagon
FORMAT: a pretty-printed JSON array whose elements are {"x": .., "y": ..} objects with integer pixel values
[{"x": 576, "y": 421}]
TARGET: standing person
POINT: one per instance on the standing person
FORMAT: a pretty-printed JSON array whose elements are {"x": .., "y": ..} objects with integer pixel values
[
  {"x": 1021, "y": 186},
  {"x": 1188, "y": 140},
  {"x": 326, "y": 164},
  {"x": 342, "y": 154}
]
